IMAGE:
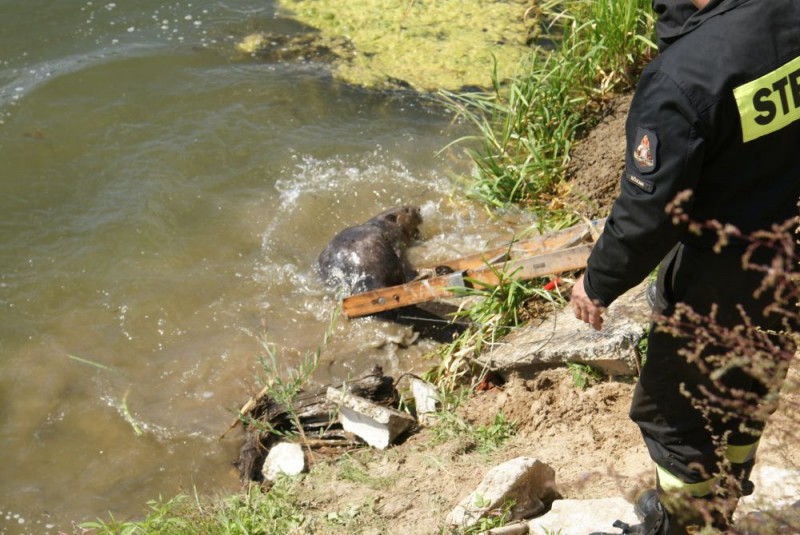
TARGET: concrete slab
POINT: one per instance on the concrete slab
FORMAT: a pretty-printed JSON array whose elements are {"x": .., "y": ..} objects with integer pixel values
[
  {"x": 579, "y": 517},
  {"x": 375, "y": 424},
  {"x": 561, "y": 338}
]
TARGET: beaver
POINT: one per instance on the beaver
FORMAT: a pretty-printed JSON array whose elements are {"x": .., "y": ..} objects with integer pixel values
[{"x": 371, "y": 255}]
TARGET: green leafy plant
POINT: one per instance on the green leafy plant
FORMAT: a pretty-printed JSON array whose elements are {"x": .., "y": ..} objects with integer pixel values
[
  {"x": 494, "y": 435},
  {"x": 494, "y": 311},
  {"x": 277, "y": 511},
  {"x": 494, "y": 518},
  {"x": 583, "y": 375},
  {"x": 351, "y": 470},
  {"x": 484, "y": 438},
  {"x": 284, "y": 388},
  {"x": 161, "y": 518}
]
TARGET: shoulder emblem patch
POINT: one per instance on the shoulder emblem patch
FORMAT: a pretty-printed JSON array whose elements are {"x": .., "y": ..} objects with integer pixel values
[{"x": 646, "y": 150}]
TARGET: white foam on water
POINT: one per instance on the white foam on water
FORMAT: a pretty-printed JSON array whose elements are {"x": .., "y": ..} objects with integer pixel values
[
  {"x": 35, "y": 75},
  {"x": 324, "y": 196},
  {"x": 139, "y": 426},
  {"x": 22, "y": 524},
  {"x": 118, "y": 33}
]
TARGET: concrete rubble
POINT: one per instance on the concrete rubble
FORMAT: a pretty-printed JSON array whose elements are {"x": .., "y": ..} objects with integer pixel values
[
  {"x": 526, "y": 482},
  {"x": 777, "y": 493},
  {"x": 579, "y": 517},
  {"x": 776, "y": 497},
  {"x": 375, "y": 424},
  {"x": 561, "y": 338},
  {"x": 425, "y": 400},
  {"x": 284, "y": 458}
]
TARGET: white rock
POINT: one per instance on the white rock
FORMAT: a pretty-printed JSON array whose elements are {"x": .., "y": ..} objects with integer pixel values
[
  {"x": 284, "y": 458},
  {"x": 425, "y": 400},
  {"x": 375, "y": 424},
  {"x": 525, "y": 481},
  {"x": 775, "y": 489},
  {"x": 579, "y": 517}
]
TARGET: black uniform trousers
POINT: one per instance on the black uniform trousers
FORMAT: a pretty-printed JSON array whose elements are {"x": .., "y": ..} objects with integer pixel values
[{"x": 682, "y": 439}]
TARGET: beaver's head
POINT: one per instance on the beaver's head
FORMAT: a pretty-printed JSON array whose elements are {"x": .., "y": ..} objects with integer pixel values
[{"x": 405, "y": 220}]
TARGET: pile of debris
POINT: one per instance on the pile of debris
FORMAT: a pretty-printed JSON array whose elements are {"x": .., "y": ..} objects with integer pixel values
[{"x": 334, "y": 417}]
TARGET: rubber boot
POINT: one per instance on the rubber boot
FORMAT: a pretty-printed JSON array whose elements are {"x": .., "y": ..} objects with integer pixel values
[
  {"x": 741, "y": 472},
  {"x": 737, "y": 485},
  {"x": 651, "y": 294}
]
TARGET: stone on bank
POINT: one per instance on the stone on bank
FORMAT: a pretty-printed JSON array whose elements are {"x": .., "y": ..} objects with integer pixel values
[
  {"x": 527, "y": 483},
  {"x": 284, "y": 458},
  {"x": 561, "y": 338},
  {"x": 375, "y": 424}
]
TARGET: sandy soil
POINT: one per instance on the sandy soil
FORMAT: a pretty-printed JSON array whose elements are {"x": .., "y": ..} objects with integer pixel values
[{"x": 585, "y": 435}]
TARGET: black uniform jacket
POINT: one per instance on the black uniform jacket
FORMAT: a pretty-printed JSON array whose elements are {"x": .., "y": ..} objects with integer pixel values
[
  {"x": 717, "y": 113},
  {"x": 672, "y": 15}
]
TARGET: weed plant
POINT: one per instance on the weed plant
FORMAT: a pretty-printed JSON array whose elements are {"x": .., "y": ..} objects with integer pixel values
[
  {"x": 283, "y": 391},
  {"x": 495, "y": 312},
  {"x": 583, "y": 375},
  {"x": 350, "y": 469},
  {"x": 526, "y": 127},
  {"x": 725, "y": 350},
  {"x": 482, "y": 438},
  {"x": 494, "y": 519},
  {"x": 255, "y": 511}
]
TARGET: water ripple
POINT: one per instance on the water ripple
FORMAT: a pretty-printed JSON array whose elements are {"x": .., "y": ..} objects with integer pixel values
[{"x": 35, "y": 75}]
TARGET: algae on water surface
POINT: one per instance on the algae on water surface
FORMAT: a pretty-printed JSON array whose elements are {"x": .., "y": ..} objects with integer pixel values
[{"x": 425, "y": 44}]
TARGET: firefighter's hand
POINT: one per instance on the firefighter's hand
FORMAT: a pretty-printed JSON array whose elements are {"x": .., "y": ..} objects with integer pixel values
[{"x": 586, "y": 310}]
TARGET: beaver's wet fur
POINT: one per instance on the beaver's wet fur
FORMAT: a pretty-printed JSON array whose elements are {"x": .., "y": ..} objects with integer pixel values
[{"x": 371, "y": 255}]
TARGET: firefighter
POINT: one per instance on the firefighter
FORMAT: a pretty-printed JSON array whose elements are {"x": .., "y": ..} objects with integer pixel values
[{"x": 714, "y": 122}]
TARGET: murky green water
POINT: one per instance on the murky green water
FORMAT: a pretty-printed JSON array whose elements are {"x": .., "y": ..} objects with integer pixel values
[{"x": 162, "y": 203}]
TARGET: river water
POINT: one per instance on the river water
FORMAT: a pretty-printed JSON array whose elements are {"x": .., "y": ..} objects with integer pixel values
[{"x": 163, "y": 202}]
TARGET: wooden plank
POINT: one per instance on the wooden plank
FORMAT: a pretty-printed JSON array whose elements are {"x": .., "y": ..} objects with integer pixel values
[
  {"x": 536, "y": 245},
  {"x": 419, "y": 291}
]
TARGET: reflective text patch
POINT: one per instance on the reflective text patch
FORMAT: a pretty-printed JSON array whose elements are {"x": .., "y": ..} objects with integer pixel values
[
  {"x": 645, "y": 150},
  {"x": 771, "y": 102},
  {"x": 641, "y": 183}
]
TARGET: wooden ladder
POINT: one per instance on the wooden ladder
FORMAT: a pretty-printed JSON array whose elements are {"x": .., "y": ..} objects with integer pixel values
[{"x": 551, "y": 253}]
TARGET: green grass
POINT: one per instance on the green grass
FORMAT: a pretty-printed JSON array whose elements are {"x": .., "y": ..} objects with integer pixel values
[
  {"x": 485, "y": 438},
  {"x": 492, "y": 316},
  {"x": 277, "y": 511},
  {"x": 495, "y": 518},
  {"x": 354, "y": 518},
  {"x": 583, "y": 375},
  {"x": 350, "y": 469},
  {"x": 525, "y": 129}
]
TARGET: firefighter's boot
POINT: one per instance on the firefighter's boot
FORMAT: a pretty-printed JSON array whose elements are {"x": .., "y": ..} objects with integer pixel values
[{"x": 653, "y": 515}]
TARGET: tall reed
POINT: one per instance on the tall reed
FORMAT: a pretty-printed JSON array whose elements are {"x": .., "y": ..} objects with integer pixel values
[{"x": 526, "y": 126}]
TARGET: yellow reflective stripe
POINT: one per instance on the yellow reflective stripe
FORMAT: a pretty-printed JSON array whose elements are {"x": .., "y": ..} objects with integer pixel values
[
  {"x": 669, "y": 481},
  {"x": 741, "y": 454},
  {"x": 770, "y": 102}
]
